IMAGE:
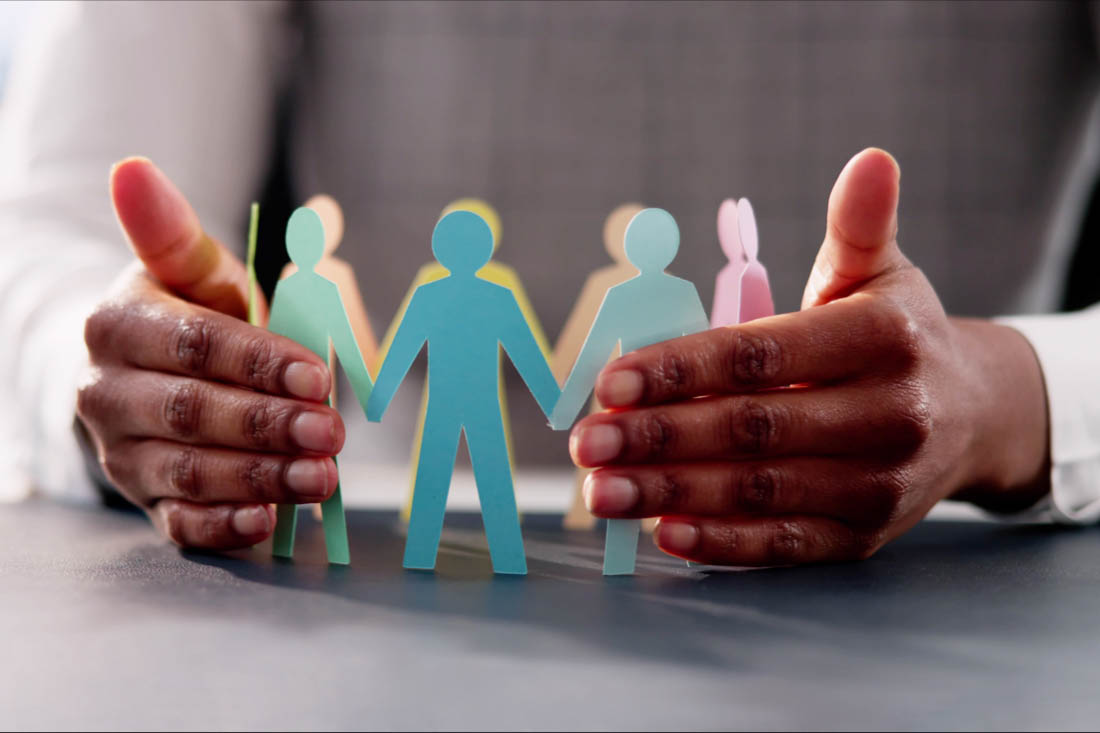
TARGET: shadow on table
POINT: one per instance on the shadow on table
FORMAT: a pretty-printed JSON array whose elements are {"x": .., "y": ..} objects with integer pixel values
[{"x": 967, "y": 580}]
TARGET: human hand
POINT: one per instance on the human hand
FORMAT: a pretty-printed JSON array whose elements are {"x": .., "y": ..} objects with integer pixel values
[
  {"x": 821, "y": 435},
  {"x": 199, "y": 418}
]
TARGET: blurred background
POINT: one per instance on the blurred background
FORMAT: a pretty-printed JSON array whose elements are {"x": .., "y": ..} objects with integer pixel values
[{"x": 558, "y": 112}]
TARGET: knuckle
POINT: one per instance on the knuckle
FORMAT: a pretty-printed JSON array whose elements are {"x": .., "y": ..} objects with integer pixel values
[
  {"x": 672, "y": 372},
  {"x": 90, "y": 397},
  {"x": 191, "y": 344},
  {"x": 667, "y": 492},
  {"x": 914, "y": 418},
  {"x": 787, "y": 543},
  {"x": 256, "y": 475},
  {"x": 183, "y": 409},
  {"x": 753, "y": 426},
  {"x": 864, "y": 545},
  {"x": 210, "y": 529},
  {"x": 100, "y": 326},
  {"x": 261, "y": 367},
  {"x": 757, "y": 489},
  {"x": 262, "y": 421},
  {"x": 890, "y": 488},
  {"x": 185, "y": 473},
  {"x": 756, "y": 359},
  {"x": 114, "y": 465},
  {"x": 654, "y": 436},
  {"x": 904, "y": 332}
]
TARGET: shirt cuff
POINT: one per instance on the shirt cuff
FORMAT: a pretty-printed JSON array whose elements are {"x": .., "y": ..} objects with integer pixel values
[{"x": 1069, "y": 356}]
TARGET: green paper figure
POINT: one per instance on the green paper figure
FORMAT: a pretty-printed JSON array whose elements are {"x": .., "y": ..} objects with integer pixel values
[{"x": 308, "y": 309}]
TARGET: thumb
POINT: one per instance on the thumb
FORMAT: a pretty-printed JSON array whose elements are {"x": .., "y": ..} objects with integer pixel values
[
  {"x": 165, "y": 234},
  {"x": 861, "y": 231}
]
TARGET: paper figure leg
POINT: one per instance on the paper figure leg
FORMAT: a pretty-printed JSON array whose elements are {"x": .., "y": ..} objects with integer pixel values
[
  {"x": 419, "y": 437},
  {"x": 433, "y": 482},
  {"x": 621, "y": 547},
  {"x": 496, "y": 492},
  {"x": 286, "y": 524},
  {"x": 336, "y": 528},
  {"x": 414, "y": 459}
]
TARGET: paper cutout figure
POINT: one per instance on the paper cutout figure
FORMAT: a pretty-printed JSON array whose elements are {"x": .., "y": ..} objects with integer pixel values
[
  {"x": 308, "y": 308},
  {"x": 341, "y": 273},
  {"x": 494, "y": 272},
  {"x": 576, "y": 330},
  {"x": 464, "y": 319},
  {"x": 650, "y": 307},
  {"x": 250, "y": 265},
  {"x": 727, "y": 286},
  {"x": 756, "y": 295}
]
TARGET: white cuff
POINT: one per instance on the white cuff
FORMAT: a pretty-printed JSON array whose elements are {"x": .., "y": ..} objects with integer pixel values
[{"x": 1068, "y": 347}]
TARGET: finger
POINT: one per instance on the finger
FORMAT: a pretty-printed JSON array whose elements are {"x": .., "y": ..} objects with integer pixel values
[
  {"x": 828, "y": 421},
  {"x": 158, "y": 469},
  {"x": 821, "y": 345},
  {"x": 213, "y": 526},
  {"x": 165, "y": 234},
  {"x": 152, "y": 405},
  {"x": 165, "y": 334},
  {"x": 761, "y": 542},
  {"x": 815, "y": 486},
  {"x": 861, "y": 230}
]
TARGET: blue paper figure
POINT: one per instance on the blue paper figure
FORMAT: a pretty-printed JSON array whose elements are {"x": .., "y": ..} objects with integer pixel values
[
  {"x": 464, "y": 320},
  {"x": 653, "y": 306},
  {"x": 308, "y": 309}
]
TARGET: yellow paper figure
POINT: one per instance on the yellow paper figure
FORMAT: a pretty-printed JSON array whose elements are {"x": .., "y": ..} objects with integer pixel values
[
  {"x": 576, "y": 331},
  {"x": 339, "y": 272},
  {"x": 495, "y": 272}
]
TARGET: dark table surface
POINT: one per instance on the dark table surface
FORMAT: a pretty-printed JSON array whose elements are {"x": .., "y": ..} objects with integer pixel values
[{"x": 957, "y": 624}]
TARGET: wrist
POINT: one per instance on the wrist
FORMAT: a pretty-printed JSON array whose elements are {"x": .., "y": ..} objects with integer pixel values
[{"x": 1008, "y": 457}]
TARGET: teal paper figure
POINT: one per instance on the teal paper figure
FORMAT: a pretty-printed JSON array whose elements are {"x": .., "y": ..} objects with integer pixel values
[
  {"x": 652, "y": 306},
  {"x": 307, "y": 308},
  {"x": 465, "y": 321}
]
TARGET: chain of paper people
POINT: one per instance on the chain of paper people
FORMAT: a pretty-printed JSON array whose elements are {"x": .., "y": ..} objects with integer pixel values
[{"x": 469, "y": 311}]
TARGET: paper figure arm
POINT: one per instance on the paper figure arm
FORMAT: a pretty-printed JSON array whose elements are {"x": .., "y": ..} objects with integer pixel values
[
  {"x": 423, "y": 275},
  {"x": 523, "y": 349},
  {"x": 360, "y": 322},
  {"x": 347, "y": 350},
  {"x": 530, "y": 316},
  {"x": 601, "y": 340},
  {"x": 407, "y": 342}
]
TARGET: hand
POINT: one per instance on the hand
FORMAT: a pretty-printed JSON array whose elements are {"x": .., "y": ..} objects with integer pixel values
[
  {"x": 821, "y": 435},
  {"x": 199, "y": 418}
]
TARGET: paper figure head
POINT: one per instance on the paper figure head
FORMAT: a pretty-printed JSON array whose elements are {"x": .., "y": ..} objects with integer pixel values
[
  {"x": 305, "y": 238},
  {"x": 614, "y": 230},
  {"x": 332, "y": 218},
  {"x": 462, "y": 242},
  {"x": 729, "y": 233},
  {"x": 652, "y": 240},
  {"x": 483, "y": 209},
  {"x": 746, "y": 224}
]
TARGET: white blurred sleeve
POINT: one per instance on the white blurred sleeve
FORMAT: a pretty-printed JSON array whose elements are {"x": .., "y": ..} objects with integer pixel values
[
  {"x": 191, "y": 86},
  {"x": 1068, "y": 347}
]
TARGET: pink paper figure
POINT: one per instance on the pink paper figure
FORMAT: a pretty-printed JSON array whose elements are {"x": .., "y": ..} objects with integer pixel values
[
  {"x": 727, "y": 286},
  {"x": 756, "y": 294}
]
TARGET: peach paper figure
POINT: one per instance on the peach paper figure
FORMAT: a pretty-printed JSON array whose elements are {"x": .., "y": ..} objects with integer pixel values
[
  {"x": 495, "y": 272},
  {"x": 756, "y": 294},
  {"x": 578, "y": 324}
]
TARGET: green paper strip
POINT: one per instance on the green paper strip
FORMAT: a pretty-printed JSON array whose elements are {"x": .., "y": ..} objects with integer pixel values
[{"x": 250, "y": 263}]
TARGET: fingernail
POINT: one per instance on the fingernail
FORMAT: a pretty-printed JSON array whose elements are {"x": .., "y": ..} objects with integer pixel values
[
  {"x": 609, "y": 494},
  {"x": 596, "y": 444},
  {"x": 679, "y": 538},
  {"x": 306, "y": 381},
  {"x": 314, "y": 431},
  {"x": 250, "y": 521},
  {"x": 620, "y": 389},
  {"x": 308, "y": 477}
]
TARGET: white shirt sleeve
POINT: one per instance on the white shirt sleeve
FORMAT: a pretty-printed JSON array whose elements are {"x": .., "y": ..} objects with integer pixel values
[
  {"x": 1068, "y": 347},
  {"x": 191, "y": 86}
]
